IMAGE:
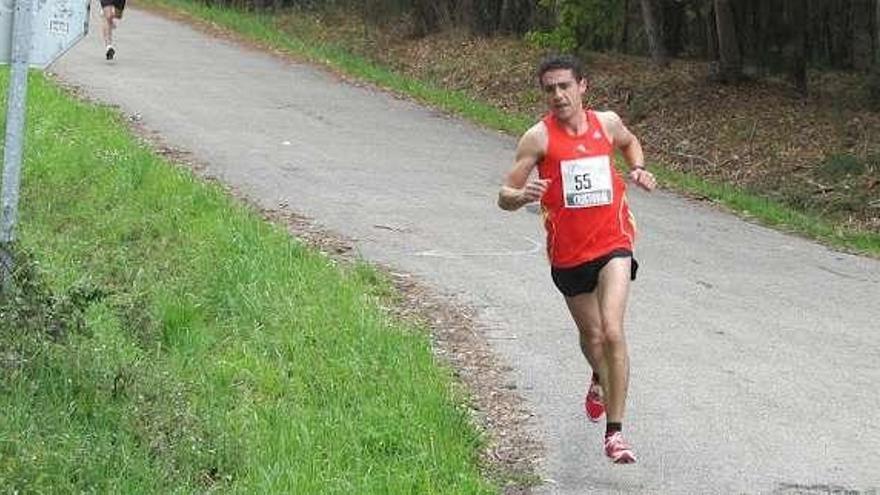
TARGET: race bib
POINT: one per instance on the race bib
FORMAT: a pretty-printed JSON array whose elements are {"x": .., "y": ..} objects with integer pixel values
[{"x": 586, "y": 182}]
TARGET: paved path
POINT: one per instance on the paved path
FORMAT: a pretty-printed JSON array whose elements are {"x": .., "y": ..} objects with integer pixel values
[{"x": 755, "y": 355}]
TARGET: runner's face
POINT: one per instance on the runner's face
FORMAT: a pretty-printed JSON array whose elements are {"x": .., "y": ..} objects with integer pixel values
[{"x": 564, "y": 93}]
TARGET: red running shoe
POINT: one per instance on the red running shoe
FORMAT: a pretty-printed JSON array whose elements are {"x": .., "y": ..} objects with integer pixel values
[
  {"x": 618, "y": 450},
  {"x": 593, "y": 404}
]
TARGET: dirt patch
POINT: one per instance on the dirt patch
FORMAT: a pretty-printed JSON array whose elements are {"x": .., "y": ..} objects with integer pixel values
[{"x": 513, "y": 454}]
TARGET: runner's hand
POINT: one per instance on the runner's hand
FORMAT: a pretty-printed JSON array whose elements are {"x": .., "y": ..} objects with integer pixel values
[
  {"x": 534, "y": 190},
  {"x": 643, "y": 179}
]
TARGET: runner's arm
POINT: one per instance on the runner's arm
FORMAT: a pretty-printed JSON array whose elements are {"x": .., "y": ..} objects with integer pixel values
[
  {"x": 630, "y": 148},
  {"x": 517, "y": 190}
]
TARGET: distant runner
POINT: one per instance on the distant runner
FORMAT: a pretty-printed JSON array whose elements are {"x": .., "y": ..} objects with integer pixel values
[
  {"x": 111, "y": 10},
  {"x": 590, "y": 231}
]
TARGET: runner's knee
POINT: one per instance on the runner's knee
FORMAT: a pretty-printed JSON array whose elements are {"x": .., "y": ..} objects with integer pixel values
[
  {"x": 612, "y": 334},
  {"x": 591, "y": 334}
]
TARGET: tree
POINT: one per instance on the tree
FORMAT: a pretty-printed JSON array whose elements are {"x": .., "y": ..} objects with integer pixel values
[
  {"x": 730, "y": 59},
  {"x": 517, "y": 15},
  {"x": 430, "y": 16},
  {"x": 874, "y": 80},
  {"x": 652, "y": 13},
  {"x": 862, "y": 56},
  {"x": 675, "y": 26},
  {"x": 877, "y": 34},
  {"x": 624, "y": 37},
  {"x": 797, "y": 44},
  {"x": 711, "y": 32}
]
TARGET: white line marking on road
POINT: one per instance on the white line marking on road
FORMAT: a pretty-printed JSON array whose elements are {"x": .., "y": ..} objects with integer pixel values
[{"x": 434, "y": 253}]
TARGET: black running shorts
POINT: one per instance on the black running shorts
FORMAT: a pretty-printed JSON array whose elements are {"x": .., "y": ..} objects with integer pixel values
[
  {"x": 119, "y": 4},
  {"x": 583, "y": 278}
]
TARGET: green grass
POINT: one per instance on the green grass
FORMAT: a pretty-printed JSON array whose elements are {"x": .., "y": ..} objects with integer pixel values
[
  {"x": 168, "y": 340},
  {"x": 752, "y": 205},
  {"x": 773, "y": 213}
]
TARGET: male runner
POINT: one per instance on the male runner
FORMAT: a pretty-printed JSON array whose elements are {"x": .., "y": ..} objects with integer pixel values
[
  {"x": 111, "y": 11},
  {"x": 590, "y": 231}
]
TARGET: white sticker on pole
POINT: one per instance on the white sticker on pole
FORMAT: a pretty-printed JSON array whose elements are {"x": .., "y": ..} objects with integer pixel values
[{"x": 56, "y": 26}]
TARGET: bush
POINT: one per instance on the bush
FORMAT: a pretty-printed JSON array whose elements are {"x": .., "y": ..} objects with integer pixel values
[
  {"x": 590, "y": 24},
  {"x": 28, "y": 306},
  {"x": 561, "y": 39},
  {"x": 838, "y": 166}
]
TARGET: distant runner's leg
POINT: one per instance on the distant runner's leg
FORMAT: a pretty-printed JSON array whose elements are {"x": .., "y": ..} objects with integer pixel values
[{"x": 107, "y": 26}]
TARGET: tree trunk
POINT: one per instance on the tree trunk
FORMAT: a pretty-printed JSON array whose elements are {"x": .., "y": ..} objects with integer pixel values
[
  {"x": 874, "y": 79},
  {"x": 712, "y": 33},
  {"x": 516, "y": 16},
  {"x": 624, "y": 38},
  {"x": 507, "y": 19},
  {"x": 840, "y": 40},
  {"x": 463, "y": 14},
  {"x": 483, "y": 20},
  {"x": 797, "y": 43},
  {"x": 767, "y": 32},
  {"x": 730, "y": 59},
  {"x": 652, "y": 14},
  {"x": 429, "y": 16},
  {"x": 861, "y": 11},
  {"x": 674, "y": 22},
  {"x": 877, "y": 34}
]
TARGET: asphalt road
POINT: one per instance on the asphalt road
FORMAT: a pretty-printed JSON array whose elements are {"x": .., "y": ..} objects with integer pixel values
[{"x": 755, "y": 355}]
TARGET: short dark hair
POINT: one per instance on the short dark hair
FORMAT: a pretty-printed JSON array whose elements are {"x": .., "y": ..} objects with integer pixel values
[{"x": 554, "y": 62}]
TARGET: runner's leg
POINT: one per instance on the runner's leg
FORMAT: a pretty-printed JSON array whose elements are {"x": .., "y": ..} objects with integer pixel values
[
  {"x": 612, "y": 293},
  {"x": 109, "y": 14},
  {"x": 584, "y": 309}
]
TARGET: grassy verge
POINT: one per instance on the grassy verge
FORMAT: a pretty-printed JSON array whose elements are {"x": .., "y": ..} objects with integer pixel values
[
  {"x": 773, "y": 213},
  {"x": 166, "y": 340},
  {"x": 297, "y": 39}
]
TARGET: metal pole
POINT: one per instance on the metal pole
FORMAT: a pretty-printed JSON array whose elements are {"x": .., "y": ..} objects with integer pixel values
[{"x": 15, "y": 128}]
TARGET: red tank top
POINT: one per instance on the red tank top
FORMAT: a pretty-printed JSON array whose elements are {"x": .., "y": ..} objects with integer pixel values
[{"x": 585, "y": 209}]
